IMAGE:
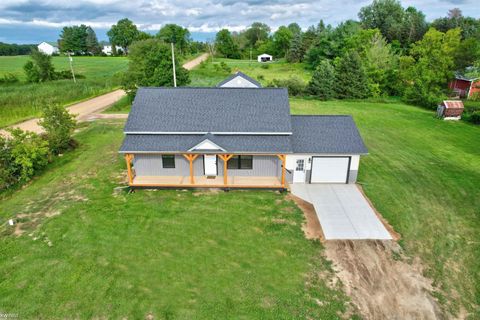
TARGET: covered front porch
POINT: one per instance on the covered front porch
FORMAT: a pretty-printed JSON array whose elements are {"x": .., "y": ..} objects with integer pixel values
[{"x": 190, "y": 171}]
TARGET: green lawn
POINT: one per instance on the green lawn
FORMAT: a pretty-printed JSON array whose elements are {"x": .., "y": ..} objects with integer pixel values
[
  {"x": 207, "y": 76},
  {"x": 423, "y": 175},
  {"x": 23, "y": 101},
  {"x": 89, "y": 251}
]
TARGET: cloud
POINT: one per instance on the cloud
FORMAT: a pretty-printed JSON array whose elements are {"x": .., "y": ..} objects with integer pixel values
[{"x": 201, "y": 15}]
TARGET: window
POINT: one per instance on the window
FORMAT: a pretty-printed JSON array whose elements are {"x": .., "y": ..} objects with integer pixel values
[
  {"x": 300, "y": 165},
  {"x": 240, "y": 162},
  {"x": 168, "y": 161}
]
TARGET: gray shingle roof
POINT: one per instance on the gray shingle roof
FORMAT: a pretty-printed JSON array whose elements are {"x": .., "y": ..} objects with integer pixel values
[
  {"x": 240, "y": 74},
  {"x": 183, "y": 143},
  {"x": 210, "y": 110},
  {"x": 326, "y": 134}
]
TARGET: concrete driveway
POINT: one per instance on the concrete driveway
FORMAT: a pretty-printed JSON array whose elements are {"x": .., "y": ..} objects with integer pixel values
[{"x": 343, "y": 211}]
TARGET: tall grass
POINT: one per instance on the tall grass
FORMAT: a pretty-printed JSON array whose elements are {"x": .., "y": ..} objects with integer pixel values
[{"x": 22, "y": 101}]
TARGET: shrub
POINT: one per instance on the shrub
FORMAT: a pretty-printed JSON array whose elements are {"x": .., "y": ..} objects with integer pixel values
[
  {"x": 265, "y": 66},
  {"x": 225, "y": 67},
  {"x": 59, "y": 126},
  {"x": 9, "y": 78},
  {"x": 295, "y": 85},
  {"x": 260, "y": 77},
  {"x": 475, "y": 117},
  {"x": 40, "y": 68},
  {"x": 23, "y": 154}
]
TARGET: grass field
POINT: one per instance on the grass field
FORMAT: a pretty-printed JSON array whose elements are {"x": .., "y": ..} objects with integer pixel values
[
  {"x": 90, "y": 67},
  {"x": 89, "y": 251},
  {"x": 207, "y": 76},
  {"x": 22, "y": 101},
  {"x": 423, "y": 175}
]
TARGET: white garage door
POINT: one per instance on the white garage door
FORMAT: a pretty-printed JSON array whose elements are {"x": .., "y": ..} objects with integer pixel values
[{"x": 329, "y": 169}]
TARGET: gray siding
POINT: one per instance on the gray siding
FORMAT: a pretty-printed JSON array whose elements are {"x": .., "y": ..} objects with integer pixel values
[
  {"x": 352, "y": 176},
  {"x": 151, "y": 165}
]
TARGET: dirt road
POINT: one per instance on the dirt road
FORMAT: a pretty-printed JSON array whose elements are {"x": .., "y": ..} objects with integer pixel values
[
  {"x": 195, "y": 62},
  {"x": 84, "y": 110}
]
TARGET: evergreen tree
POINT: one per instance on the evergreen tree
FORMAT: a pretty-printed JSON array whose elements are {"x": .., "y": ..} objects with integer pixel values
[
  {"x": 91, "y": 42},
  {"x": 296, "y": 52},
  {"x": 323, "y": 81},
  {"x": 350, "y": 78}
]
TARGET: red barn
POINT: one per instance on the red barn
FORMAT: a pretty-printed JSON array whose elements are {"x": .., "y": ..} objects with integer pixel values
[{"x": 465, "y": 87}]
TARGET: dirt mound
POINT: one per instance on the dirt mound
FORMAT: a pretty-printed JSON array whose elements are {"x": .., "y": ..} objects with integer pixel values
[{"x": 380, "y": 282}]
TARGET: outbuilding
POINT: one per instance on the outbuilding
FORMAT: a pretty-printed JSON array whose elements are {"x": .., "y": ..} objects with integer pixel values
[
  {"x": 465, "y": 87},
  {"x": 450, "y": 110},
  {"x": 264, "y": 58}
]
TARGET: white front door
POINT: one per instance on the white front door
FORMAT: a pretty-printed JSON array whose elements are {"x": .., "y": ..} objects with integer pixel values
[
  {"x": 210, "y": 164},
  {"x": 299, "y": 173}
]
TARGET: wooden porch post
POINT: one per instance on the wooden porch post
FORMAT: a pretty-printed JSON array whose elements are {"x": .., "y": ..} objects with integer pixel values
[
  {"x": 128, "y": 159},
  {"x": 191, "y": 158},
  {"x": 225, "y": 158},
  {"x": 283, "y": 158}
]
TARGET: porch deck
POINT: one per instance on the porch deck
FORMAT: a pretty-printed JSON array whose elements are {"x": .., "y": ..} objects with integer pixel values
[{"x": 209, "y": 182}]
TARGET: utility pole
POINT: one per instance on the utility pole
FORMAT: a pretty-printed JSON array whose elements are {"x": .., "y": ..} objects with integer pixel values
[
  {"x": 70, "y": 60},
  {"x": 173, "y": 63}
]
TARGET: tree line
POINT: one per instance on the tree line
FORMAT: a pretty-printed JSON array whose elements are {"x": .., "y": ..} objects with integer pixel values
[
  {"x": 83, "y": 40},
  {"x": 389, "y": 51},
  {"x": 12, "y": 49}
]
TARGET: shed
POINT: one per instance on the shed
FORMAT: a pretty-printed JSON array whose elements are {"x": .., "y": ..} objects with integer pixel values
[
  {"x": 450, "y": 109},
  {"x": 264, "y": 58},
  {"x": 465, "y": 87},
  {"x": 48, "y": 48}
]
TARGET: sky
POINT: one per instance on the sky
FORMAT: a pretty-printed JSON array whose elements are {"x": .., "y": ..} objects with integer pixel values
[{"x": 34, "y": 21}]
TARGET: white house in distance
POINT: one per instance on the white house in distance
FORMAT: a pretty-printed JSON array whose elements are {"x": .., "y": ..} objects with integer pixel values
[
  {"x": 108, "y": 49},
  {"x": 48, "y": 48},
  {"x": 265, "y": 58}
]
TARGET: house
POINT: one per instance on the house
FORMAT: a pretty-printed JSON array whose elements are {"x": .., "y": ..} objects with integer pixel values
[
  {"x": 48, "y": 48},
  {"x": 450, "y": 110},
  {"x": 234, "y": 138},
  {"x": 465, "y": 87},
  {"x": 264, "y": 58},
  {"x": 108, "y": 50},
  {"x": 239, "y": 80}
]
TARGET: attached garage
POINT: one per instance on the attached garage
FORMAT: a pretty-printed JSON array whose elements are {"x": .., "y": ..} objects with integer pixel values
[{"x": 330, "y": 169}]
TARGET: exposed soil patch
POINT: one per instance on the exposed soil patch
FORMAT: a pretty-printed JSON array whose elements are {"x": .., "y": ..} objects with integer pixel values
[{"x": 381, "y": 283}]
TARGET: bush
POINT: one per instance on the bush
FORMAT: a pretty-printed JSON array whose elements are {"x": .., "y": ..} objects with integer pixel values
[
  {"x": 475, "y": 117},
  {"x": 9, "y": 78},
  {"x": 23, "y": 154},
  {"x": 265, "y": 66},
  {"x": 59, "y": 126},
  {"x": 295, "y": 85},
  {"x": 260, "y": 77},
  {"x": 225, "y": 67}
]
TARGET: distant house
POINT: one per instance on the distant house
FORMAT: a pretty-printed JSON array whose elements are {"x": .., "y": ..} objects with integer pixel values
[
  {"x": 48, "y": 48},
  {"x": 450, "y": 110},
  {"x": 239, "y": 80},
  {"x": 465, "y": 87},
  {"x": 265, "y": 58},
  {"x": 108, "y": 50}
]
